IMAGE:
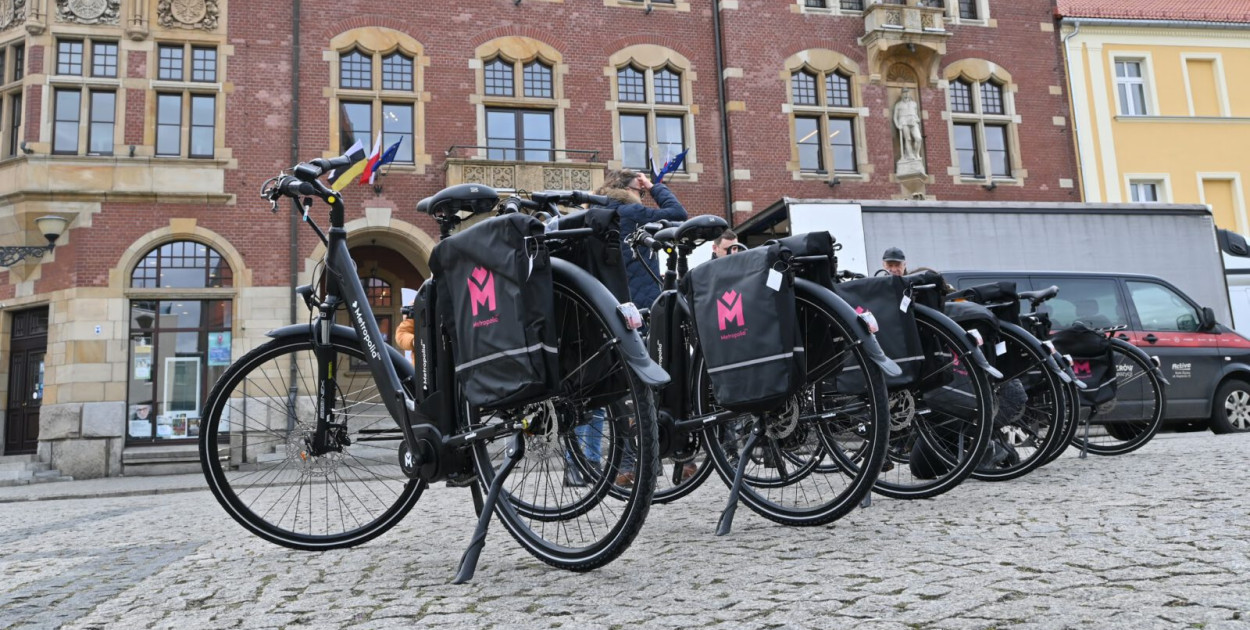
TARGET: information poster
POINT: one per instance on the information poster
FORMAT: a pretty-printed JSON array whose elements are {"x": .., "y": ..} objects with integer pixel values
[
  {"x": 218, "y": 349},
  {"x": 143, "y": 363}
]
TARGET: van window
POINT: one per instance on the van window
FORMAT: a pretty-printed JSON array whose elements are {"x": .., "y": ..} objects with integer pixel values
[
  {"x": 1094, "y": 301},
  {"x": 1160, "y": 308}
]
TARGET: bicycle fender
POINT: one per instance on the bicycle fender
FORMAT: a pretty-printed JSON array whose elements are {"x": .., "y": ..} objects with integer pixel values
[
  {"x": 629, "y": 341},
  {"x": 1037, "y": 347},
  {"x": 958, "y": 332},
  {"x": 1141, "y": 354},
  {"x": 833, "y": 302},
  {"x": 402, "y": 364}
]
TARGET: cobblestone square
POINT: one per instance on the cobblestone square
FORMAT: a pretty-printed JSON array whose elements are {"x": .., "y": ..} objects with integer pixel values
[{"x": 1155, "y": 539}]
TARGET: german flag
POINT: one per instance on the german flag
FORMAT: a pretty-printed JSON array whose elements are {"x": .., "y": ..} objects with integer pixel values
[{"x": 344, "y": 176}]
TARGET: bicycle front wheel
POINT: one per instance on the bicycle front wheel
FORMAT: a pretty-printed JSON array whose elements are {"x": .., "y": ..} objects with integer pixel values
[
  {"x": 579, "y": 495},
  {"x": 254, "y": 449},
  {"x": 1133, "y": 417},
  {"x": 820, "y": 453}
]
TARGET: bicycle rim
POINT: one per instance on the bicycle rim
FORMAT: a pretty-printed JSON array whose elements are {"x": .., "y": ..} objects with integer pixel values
[{"x": 1133, "y": 418}]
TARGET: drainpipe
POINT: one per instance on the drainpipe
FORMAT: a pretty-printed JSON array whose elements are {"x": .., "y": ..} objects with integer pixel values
[
  {"x": 726, "y": 146},
  {"x": 1076, "y": 129},
  {"x": 293, "y": 255}
]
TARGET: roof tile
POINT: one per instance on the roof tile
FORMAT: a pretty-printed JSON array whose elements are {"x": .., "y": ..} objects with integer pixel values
[{"x": 1235, "y": 11}]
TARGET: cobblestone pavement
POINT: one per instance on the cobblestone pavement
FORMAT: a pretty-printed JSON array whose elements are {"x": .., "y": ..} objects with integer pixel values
[{"x": 1157, "y": 538}]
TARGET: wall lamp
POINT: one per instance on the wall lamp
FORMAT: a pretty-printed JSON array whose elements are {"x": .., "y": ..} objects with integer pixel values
[{"x": 50, "y": 226}]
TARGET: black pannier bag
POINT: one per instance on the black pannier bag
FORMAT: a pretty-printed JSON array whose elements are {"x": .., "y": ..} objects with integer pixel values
[
  {"x": 600, "y": 253},
  {"x": 810, "y": 246},
  {"x": 495, "y": 282},
  {"x": 973, "y": 316},
  {"x": 885, "y": 297},
  {"x": 1092, "y": 362},
  {"x": 744, "y": 313}
]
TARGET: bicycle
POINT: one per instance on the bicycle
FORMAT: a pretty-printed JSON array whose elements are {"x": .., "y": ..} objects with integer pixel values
[
  {"x": 808, "y": 463},
  {"x": 304, "y": 451}
]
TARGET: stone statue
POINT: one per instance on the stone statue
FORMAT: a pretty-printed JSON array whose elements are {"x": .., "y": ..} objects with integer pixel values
[{"x": 907, "y": 120}]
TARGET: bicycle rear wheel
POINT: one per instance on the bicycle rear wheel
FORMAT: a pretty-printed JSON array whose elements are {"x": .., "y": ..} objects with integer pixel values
[
  {"x": 939, "y": 429},
  {"x": 822, "y": 451},
  {"x": 1072, "y": 419},
  {"x": 257, "y": 424},
  {"x": 585, "y": 522},
  {"x": 1133, "y": 417},
  {"x": 1027, "y": 439}
]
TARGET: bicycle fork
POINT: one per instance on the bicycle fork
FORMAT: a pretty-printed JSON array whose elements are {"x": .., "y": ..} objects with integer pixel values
[
  {"x": 735, "y": 490},
  {"x": 468, "y": 562}
]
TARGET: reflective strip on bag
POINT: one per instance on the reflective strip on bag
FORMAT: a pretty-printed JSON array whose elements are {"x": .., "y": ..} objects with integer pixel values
[
  {"x": 731, "y": 366},
  {"x": 506, "y": 353}
]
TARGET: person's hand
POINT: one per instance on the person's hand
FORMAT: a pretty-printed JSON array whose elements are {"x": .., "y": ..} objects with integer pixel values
[{"x": 644, "y": 182}]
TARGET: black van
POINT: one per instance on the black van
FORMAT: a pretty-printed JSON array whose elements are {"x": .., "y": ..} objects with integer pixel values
[{"x": 1206, "y": 363}]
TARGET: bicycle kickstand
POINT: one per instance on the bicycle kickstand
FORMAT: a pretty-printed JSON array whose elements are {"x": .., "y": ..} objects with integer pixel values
[
  {"x": 1085, "y": 442},
  {"x": 468, "y": 562},
  {"x": 744, "y": 456}
]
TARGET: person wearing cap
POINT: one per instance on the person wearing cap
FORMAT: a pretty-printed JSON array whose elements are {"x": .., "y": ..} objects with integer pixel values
[{"x": 894, "y": 262}]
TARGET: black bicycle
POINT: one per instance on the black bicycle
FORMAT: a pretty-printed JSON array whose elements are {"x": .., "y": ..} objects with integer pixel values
[
  {"x": 306, "y": 450},
  {"x": 809, "y": 462}
]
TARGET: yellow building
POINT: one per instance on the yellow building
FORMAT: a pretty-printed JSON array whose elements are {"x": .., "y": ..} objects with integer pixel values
[{"x": 1160, "y": 101}]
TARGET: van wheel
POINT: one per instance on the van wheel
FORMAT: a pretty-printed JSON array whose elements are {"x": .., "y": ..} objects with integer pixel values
[{"x": 1232, "y": 408}]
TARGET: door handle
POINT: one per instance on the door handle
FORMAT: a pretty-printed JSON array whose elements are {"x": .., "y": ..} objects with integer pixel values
[
  {"x": 1150, "y": 338},
  {"x": 1122, "y": 337}
]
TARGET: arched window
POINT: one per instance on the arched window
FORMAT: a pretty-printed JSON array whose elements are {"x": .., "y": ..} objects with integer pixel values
[
  {"x": 180, "y": 339},
  {"x": 984, "y": 142},
  {"x": 520, "y": 92},
  {"x": 653, "y": 107},
  {"x": 826, "y": 122},
  {"x": 377, "y": 91}
]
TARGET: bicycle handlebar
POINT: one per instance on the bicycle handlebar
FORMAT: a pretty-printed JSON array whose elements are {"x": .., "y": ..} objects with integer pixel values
[{"x": 568, "y": 198}]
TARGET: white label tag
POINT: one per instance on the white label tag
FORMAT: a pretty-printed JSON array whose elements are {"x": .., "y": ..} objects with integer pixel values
[
  {"x": 902, "y": 306},
  {"x": 774, "y": 280},
  {"x": 1000, "y": 348},
  {"x": 872, "y": 321}
]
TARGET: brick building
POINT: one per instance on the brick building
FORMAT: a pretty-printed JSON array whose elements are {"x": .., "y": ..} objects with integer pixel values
[{"x": 151, "y": 124}]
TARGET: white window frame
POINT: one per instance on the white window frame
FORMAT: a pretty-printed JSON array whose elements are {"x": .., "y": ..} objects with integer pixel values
[
  {"x": 1147, "y": 80},
  {"x": 1161, "y": 181}
]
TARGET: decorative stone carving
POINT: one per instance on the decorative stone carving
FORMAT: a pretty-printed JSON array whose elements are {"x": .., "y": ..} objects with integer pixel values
[
  {"x": 11, "y": 13},
  {"x": 553, "y": 178},
  {"x": 907, "y": 121},
  {"x": 201, "y": 14},
  {"x": 475, "y": 174},
  {"x": 502, "y": 177},
  {"x": 580, "y": 179},
  {"x": 88, "y": 11}
]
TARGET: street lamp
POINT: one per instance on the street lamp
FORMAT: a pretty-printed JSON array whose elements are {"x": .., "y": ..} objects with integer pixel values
[{"x": 50, "y": 226}]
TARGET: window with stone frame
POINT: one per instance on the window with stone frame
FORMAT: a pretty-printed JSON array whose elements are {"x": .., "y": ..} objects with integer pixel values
[
  {"x": 652, "y": 113},
  {"x": 377, "y": 94},
  {"x": 188, "y": 96},
  {"x": 12, "y": 70},
  {"x": 982, "y": 128},
  {"x": 181, "y": 326},
  {"x": 825, "y": 137},
  {"x": 519, "y": 96},
  {"x": 834, "y": 6},
  {"x": 85, "y": 85}
]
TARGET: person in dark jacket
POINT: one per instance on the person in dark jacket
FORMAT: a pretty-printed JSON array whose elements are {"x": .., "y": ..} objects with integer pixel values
[{"x": 624, "y": 188}]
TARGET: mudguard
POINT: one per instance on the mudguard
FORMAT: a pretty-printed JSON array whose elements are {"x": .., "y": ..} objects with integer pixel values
[
  {"x": 1036, "y": 345},
  {"x": 631, "y": 345},
  {"x": 402, "y": 364},
  {"x": 831, "y": 301},
  {"x": 958, "y": 332},
  {"x": 1141, "y": 354}
]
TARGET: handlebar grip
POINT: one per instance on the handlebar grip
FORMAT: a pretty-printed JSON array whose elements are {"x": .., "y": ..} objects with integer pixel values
[
  {"x": 293, "y": 187},
  {"x": 581, "y": 196},
  {"x": 307, "y": 171},
  {"x": 650, "y": 243}
]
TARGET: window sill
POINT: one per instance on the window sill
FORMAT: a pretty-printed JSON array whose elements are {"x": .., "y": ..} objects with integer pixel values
[
  {"x": 996, "y": 180},
  {"x": 1209, "y": 120},
  {"x": 827, "y": 177},
  {"x": 202, "y": 86}
]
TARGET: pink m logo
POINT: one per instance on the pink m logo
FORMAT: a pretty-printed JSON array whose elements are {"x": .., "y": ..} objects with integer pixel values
[
  {"x": 482, "y": 289},
  {"x": 729, "y": 309},
  {"x": 1082, "y": 369}
]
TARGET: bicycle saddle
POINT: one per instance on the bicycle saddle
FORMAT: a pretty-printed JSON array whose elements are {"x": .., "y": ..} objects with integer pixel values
[
  {"x": 699, "y": 230},
  {"x": 475, "y": 198},
  {"x": 1040, "y": 295}
]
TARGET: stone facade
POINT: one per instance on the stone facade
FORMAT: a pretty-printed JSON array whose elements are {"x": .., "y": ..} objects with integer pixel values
[{"x": 125, "y": 204}]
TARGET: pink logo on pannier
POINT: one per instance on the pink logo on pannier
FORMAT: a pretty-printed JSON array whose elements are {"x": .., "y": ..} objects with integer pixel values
[
  {"x": 729, "y": 309},
  {"x": 482, "y": 289},
  {"x": 1082, "y": 369}
]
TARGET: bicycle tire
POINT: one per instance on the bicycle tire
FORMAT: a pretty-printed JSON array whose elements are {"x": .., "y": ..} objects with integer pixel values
[
  {"x": 1032, "y": 436},
  {"x": 848, "y": 428},
  {"x": 1072, "y": 403},
  {"x": 361, "y": 477},
  {"x": 957, "y": 442},
  {"x": 575, "y": 528},
  {"x": 1141, "y": 383}
]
